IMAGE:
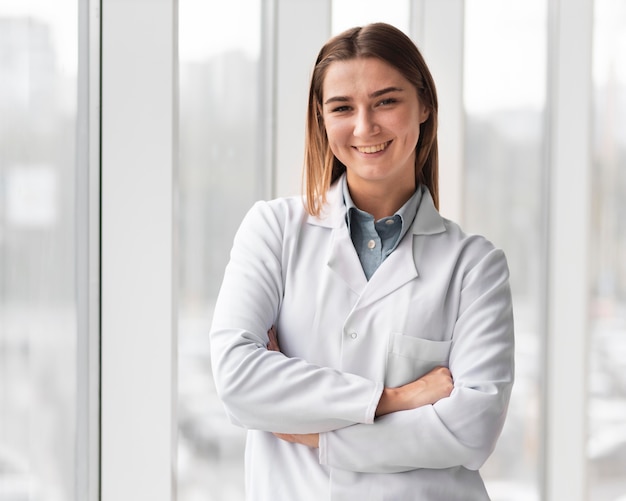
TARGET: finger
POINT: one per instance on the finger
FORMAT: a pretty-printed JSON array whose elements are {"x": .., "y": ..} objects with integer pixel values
[
  {"x": 286, "y": 437},
  {"x": 273, "y": 339}
]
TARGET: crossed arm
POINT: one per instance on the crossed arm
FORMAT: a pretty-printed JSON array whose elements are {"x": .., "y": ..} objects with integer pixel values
[
  {"x": 429, "y": 425},
  {"x": 428, "y": 389}
]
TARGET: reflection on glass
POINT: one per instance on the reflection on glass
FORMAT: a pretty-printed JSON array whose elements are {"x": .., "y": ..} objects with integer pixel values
[
  {"x": 38, "y": 327},
  {"x": 505, "y": 60},
  {"x": 221, "y": 174},
  {"x": 607, "y": 355}
]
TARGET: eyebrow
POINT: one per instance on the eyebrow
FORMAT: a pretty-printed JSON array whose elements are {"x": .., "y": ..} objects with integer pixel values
[{"x": 377, "y": 93}]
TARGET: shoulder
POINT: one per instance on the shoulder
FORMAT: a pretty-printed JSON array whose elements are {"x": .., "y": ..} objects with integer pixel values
[
  {"x": 267, "y": 218},
  {"x": 474, "y": 251},
  {"x": 278, "y": 210},
  {"x": 445, "y": 242},
  {"x": 455, "y": 232},
  {"x": 445, "y": 235}
]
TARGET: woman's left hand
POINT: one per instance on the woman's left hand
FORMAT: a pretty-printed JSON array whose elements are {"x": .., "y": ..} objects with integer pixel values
[
  {"x": 309, "y": 439},
  {"x": 273, "y": 345}
]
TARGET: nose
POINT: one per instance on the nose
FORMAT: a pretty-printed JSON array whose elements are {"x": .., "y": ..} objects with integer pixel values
[{"x": 365, "y": 124}]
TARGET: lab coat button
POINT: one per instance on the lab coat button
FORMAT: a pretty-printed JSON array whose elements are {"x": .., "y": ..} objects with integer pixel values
[{"x": 353, "y": 335}]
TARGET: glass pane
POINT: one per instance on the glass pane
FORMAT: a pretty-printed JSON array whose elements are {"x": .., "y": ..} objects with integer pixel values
[
  {"x": 607, "y": 363},
  {"x": 38, "y": 314},
  {"x": 505, "y": 78},
  {"x": 221, "y": 174},
  {"x": 349, "y": 13}
]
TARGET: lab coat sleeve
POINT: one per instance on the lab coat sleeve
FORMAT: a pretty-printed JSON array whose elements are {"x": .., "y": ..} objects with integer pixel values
[
  {"x": 262, "y": 389},
  {"x": 460, "y": 430}
]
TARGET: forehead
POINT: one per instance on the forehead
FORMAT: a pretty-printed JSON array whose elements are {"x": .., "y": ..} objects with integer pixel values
[{"x": 361, "y": 75}]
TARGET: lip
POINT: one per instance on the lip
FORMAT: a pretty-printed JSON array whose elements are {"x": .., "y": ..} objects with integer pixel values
[{"x": 373, "y": 149}]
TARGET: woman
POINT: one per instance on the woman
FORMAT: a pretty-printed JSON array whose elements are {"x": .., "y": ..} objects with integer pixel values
[{"x": 395, "y": 363}]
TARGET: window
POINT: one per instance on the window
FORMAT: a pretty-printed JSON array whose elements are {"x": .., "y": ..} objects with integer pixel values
[
  {"x": 48, "y": 238},
  {"x": 504, "y": 95},
  {"x": 43, "y": 366},
  {"x": 222, "y": 172}
]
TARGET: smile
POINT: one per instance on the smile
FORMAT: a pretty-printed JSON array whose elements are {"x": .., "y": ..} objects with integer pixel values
[{"x": 373, "y": 149}]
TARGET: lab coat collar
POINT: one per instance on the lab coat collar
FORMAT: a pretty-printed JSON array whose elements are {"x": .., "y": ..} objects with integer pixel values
[
  {"x": 398, "y": 269},
  {"x": 333, "y": 213},
  {"x": 428, "y": 221}
]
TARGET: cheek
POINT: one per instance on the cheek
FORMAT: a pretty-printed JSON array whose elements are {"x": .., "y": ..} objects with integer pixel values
[
  {"x": 337, "y": 149},
  {"x": 414, "y": 135},
  {"x": 410, "y": 132},
  {"x": 335, "y": 134}
]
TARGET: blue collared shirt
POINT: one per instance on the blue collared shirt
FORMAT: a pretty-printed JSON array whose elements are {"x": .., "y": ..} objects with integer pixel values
[{"x": 375, "y": 240}]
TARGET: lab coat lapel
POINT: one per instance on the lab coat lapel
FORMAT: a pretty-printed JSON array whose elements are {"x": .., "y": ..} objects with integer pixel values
[
  {"x": 398, "y": 269},
  {"x": 395, "y": 271},
  {"x": 342, "y": 257},
  {"x": 344, "y": 261},
  {"x": 402, "y": 265}
]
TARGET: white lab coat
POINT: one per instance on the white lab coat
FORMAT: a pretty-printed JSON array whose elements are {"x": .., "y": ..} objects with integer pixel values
[{"x": 441, "y": 298}]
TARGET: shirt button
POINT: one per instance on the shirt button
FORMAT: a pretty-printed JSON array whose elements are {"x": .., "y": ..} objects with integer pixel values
[
  {"x": 389, "y": 222},
  {"x": 353, "y": 335},
  {"x": 371, "y": 244}
]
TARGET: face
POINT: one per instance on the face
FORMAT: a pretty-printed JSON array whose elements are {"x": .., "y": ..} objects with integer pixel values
[{"x": 372, "y": 117}]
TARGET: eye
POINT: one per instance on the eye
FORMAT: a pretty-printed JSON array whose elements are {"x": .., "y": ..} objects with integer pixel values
[
  {"x": 388, "y": 101},
  {"x": 340, "y": 109}
]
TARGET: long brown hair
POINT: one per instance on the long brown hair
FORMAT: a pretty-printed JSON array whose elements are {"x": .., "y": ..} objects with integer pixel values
[{"x": 382, "y": 41}]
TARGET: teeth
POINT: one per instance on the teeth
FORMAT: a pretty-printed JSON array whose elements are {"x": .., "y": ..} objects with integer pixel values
[{"x": 372, "y": 149}]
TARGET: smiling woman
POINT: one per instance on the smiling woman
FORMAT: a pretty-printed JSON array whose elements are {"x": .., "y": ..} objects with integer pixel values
[{"x": 395, "y": 324}]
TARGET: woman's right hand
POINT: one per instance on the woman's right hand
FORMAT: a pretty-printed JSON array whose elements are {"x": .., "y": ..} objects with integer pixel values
[{"x": 428, "y": 389}]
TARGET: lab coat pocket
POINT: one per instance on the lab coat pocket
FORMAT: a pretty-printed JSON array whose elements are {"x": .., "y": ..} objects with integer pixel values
[{"x": 409, "y": 358}]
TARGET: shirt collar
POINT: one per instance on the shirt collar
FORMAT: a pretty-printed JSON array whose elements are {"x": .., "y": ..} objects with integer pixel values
[{"x": 407, "y": 212}]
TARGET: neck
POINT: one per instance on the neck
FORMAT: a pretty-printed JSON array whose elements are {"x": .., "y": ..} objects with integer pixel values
[{"x": 380, "y": 201}]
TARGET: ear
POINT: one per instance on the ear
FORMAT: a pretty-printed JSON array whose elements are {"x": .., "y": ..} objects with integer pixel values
[
  {"x": 320, "y": 111},
  {"x": 320, "y": 119},
  {"x": 424, "y": 114}
]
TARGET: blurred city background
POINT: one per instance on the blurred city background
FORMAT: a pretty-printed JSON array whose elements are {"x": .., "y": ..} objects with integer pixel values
[{"x": 221, "y": 109}]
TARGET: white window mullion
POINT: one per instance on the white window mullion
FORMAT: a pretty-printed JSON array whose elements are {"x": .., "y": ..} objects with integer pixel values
[
  {"x": 438, "y": 30},
  {"x": 568, "y": 276},
  {"x": 139, "y": 120},
  {"x": 88, "y": 253},
  {"x": 302, "y": 28}
]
